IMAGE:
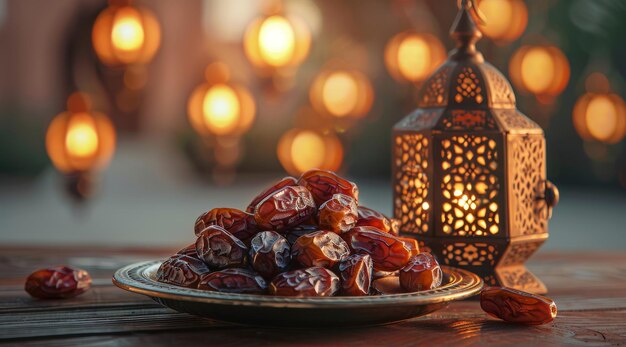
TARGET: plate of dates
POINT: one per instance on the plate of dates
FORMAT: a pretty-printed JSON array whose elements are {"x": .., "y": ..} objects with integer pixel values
[{"x": 303, "y": 253}]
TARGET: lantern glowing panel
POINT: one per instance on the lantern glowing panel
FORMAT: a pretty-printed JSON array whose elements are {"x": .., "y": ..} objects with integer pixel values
[
  {"x": 541, "y": 70},
  {"x": 504, "y": 20},
  {"x": 220, "y": 108},
  {"x": 300, "y": 150},
  {"x": 125, "y": 34},
  {"x": 80, "y": 141},
  {"x": 277, "y": 41},
  {"x": 469, "y": 171},
  {"x": 413, "y": 57},
  {"x": 342, "y": 93}
]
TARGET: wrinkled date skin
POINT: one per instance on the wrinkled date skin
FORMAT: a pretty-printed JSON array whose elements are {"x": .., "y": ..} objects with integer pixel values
[
  {"x": 182, "y": 270},
  {"x": 313, "y": 281},
  {"x": 189, "y": 251},
  {"x": 241, "y": 281},
  {"x": 388, "y": 252},
  {"x": 421, "y": 273},
  {"x": 373, "y": 218},
  {"x": 516, "y": 306},
  {"x": 284, "y": 209},
  {"x": 411, "y": 244},
  {"x": 324, "y": 184},
  {"x": 241, "y": 224},
  {"x": 322, "y": 248},
  {"x": 339, "y": 214},
  {"x": 220, "y": 249},
  {"x": 59, "y": 282},
  {"x": 285, "y": 182},
  {"x": 294, "y": 233},
  {"x": 356, "y": 275},
  {"x": 270, "y": 253}
]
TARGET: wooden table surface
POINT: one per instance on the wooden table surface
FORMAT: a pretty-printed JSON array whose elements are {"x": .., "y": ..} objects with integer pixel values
[{"x": 589, "y": 289}]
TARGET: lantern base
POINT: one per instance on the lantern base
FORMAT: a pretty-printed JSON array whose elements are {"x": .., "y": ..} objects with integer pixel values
[{"x": 483, "y": 257}]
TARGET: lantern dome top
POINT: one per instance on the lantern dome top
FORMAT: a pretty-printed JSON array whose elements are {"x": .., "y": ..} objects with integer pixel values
[{"x": 466, "y": 93}]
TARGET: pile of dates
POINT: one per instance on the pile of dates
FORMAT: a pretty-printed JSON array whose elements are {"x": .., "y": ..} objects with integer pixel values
[{"x": 300, "y": 237}]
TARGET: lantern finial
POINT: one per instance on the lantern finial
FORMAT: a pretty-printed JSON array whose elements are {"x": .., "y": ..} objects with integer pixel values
[{"x": 465, "y": 32}]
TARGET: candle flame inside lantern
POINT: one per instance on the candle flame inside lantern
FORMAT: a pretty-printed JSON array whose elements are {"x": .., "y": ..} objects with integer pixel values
[
  {"x": 127, "y": 33},
  {"x": 276, "y": 41}
]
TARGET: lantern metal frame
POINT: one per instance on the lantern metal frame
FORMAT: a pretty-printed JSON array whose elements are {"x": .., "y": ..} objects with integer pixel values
[{"x": 469, "y": 169}]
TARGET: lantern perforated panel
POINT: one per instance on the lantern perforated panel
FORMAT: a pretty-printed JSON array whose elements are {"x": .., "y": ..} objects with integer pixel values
[
  {"x": 413, "y": 182},
  {"x": 470, "y": 178}
]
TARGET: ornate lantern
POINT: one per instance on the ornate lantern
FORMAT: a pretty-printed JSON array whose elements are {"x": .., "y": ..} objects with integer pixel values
[{"x": 469, "y": 169}]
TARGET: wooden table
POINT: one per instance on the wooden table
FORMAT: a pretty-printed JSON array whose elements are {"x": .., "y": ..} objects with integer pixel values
[{"x": 589, "y": 289}]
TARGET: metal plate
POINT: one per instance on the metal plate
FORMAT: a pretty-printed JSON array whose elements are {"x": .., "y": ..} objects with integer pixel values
[{"x": 299, "y": 312}]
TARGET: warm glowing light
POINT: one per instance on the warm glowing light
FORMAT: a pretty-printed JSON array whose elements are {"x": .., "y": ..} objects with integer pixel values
[
  {"x": 124, "y": 34},
  {"x": 600, "y": 117},
  {"x": 537, "y": 70},
  {"x": 302, "y": 150},
  {"x": 425, "y": 206},
  {"x": 277, "y": 41},
  {"x": 221, "y": 108},
  {"x": 81, "y": 139},
  {"x": 505, "y": 20},
  {"x": 342, "y": 93},
  {"x": 127, "y": 33},
  {"x": 413, "y": 57},
  {"x": 540, "y": 70},
  {"x": 307, "y": 151}
]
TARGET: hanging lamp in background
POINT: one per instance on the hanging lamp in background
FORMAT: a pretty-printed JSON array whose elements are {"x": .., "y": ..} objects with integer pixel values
[
  {"x": 125, "y": 34},
  {"x": 80, "y": 142},
  {"x": 505, "y": 20},
  {"x": 412, "y": 57},
  {"x": 276, "y": 43},
  {"x": 541, "y": 70},
  {"x": 221, "y": 111},
  {"x": 599, "y": 114}
]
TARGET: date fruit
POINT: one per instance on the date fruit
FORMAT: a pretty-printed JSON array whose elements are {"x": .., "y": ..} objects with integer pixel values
[
  {"x": 356, "y": 275},
  {"x": 241, "y": 281},
  {"x": 313, "y": 281},
  {"x": 373, "y": 218},
  {"x": 387, "y": 251},
  {"x": 189, "y": 250},
  {"x": 411, "y": 244},
  {"x": 241, "y": 224},
  {"x": 324, "y": 184},
  {"x": 294, "y": 233},
  {"x": 421, "y": 273},
  {"x": 219, "y": 249},
  {"x": 182, "y": 270},
  {"x": 285, "y": 182},
  {"x": 284, "y": 209},
  {"x": 516, "y": 306},
  {"x": 60, "y": 282},
  {"x": 270, "y": 253},
  {"x": 339, "y": 214},
  {"x": 322, "y": 248}
]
